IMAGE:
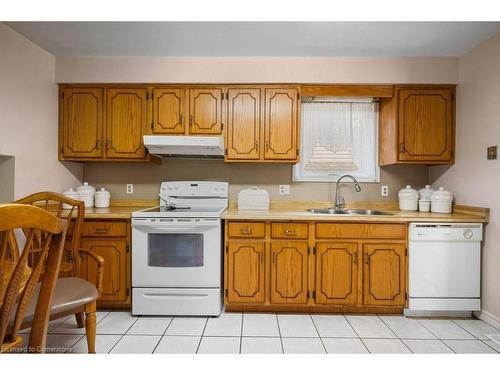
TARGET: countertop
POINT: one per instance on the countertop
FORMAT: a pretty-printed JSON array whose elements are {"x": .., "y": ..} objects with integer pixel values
[{"x": 287, "y": 211}]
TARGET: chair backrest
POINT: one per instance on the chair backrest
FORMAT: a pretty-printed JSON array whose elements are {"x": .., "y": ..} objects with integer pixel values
[
  {"x": 45, "y": 233},
  {"x": 53, "y": 202}
]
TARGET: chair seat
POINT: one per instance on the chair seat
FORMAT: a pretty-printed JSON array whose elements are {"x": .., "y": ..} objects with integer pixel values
[{"x": 70, "y": 293}]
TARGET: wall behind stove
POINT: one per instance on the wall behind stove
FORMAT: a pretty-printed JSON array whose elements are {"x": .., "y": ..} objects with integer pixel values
[{"x": 146, "y": 179}]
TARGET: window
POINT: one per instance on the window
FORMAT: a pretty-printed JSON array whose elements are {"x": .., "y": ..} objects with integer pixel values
[{"x": 338, "y": 136}]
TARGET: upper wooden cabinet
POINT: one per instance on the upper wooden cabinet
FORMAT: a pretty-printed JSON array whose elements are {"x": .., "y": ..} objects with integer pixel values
[
  {"x": 262, "y": 124},
  {"x": 205, "y": 111},
  {"x": 280, "y": 124},
  {"x": 81, "y": 123},
  {"x": 417, "y": 126},
  {"x": 169, "y": 110},
  {"x": 126, "y": 123}
]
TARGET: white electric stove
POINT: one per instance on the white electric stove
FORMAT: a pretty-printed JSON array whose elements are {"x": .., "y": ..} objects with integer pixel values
[{"x": 177, "y": 251}]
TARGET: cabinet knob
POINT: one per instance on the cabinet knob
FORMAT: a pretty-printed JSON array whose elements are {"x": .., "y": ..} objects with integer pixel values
[
  {"x": 290, "y": 232},
  {"x": 97, "y": 144},
  {"x": 107, "y": 144},
  {"x": 402, "y": 147},
  {"x": 257, "y": 145},
  {"x": 355, "y": 258},
  {"x": 267, "y": 145}
]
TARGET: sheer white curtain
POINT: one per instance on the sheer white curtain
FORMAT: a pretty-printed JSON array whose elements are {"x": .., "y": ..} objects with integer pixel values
[{"x": 338, "y": 138}]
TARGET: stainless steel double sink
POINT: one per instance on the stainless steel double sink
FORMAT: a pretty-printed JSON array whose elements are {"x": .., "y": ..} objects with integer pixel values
[{"x": 341, "y": 211}]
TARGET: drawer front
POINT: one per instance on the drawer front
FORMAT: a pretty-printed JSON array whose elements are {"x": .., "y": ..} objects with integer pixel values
[
  {"x": 289, "y": 230},
  {"x": 246, "y": 229},
  {"x": 360, "y": 231},
  {"x": 104, "y": 229}
]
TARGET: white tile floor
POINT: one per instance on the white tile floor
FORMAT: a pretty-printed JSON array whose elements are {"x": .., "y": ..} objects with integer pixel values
[{"x": 120, "y": 332}]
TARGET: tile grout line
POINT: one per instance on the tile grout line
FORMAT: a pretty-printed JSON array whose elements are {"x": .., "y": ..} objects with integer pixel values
[
  {"x": 399, "y": 338},
  {"x": 163, "y": 335},
  {"x": 465, "y": 329},
  {"x": 279, "y": 332},
  {"x": 432, "y": 333},
  {"x": 317, "y": 331},
  {"x": 357, "y": 334},
  {"x": 201, "y": 337},
  {"x": 123, "y": 334}
]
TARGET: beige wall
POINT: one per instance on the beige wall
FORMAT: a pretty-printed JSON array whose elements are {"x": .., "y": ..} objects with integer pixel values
[
  {"x": 146, "y": 179},
  {"x": 28, "y": 116},
  {"x": 257, "y": 69},
  {"x": 473, "y": 179}
]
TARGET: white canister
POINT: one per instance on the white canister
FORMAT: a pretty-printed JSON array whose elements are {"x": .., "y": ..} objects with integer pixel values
[
  {"x": 408, "y": 199},
  {"x": 424, "y": 205},
  {"x": 71, "y": 193},
  {"x": 102, "y": 198},
  {"x": 425, "y": 193},
  {"x": 86, "y": 192},
  {"x": 441, "y": 201}
]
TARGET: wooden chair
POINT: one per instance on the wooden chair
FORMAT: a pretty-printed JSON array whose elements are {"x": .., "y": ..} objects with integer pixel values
[
  {"x": 73, "y": 295},
  {"x": 19, "y": 286}
]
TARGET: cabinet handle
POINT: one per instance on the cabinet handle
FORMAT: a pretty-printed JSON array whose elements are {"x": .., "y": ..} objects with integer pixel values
[
  {"x": 262, "y": 257},
  {"x": 355, "y": 258},
  {"x": 101, "y": 230},
  {"x": 180, "y": 119},
  {"x": 257, "y": 145},
  {"x": 107, "y": 144},
  {"x": 274, "y": 258},
  {"x": 246, "y": 230},
  {"x": 190, "y": 120},
  {"x": 367, "y": 261},
  {"x": 267, "y": 146},
  {"x": 97, "y": 144},
  {"x": 290, "y": 232},
  {"x": 402, "y": 147}
]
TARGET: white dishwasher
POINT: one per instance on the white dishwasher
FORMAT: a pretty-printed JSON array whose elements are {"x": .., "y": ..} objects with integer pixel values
[{"x": 444, "y": 269}]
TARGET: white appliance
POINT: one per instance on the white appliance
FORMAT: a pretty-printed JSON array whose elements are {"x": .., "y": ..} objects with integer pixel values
[
  {"x": 185, "y": 146},
  {"x": 177, "y": 251},
  {"x": 444, "y": 269}
]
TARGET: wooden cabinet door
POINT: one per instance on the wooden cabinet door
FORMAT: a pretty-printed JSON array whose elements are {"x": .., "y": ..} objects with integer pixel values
[
  {"x": 336, "y": 273},
  {"x": 205, "y": 111},
  {"x": 245, "y": 271},
  {"x": 169, "y": 111},
  {"x": 384, "y": 274},
  {"x": 126, "y": 120},
  {"x": 289, "y": 272},
  {"x": 114, "y": 252},
  {"x": 82, "y": 123},
  {"x": 425, "y": 118},
  {"x": 280, "y": 124},
  {"x": 243, "y": 124}
]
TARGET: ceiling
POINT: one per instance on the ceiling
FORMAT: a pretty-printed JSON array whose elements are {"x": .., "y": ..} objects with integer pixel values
[{"x": 370, "y": 39}]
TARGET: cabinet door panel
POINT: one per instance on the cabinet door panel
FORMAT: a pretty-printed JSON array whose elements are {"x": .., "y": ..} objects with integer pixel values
[
  {"x": 243, "y": 128},
  {"x": 336, "y": 273},
  {"x": 245, "y": 271},
  {"x": 82, "y": 123},
  {"x": 289, "y": 272},
  {"x": 384, "y": 274},
  {"x": 126, "y": 113},
  {"x": 205, "y": 111},
  {"x": 281, "y": 124},
  {"x": 115, "y": 267},
  {"x": 425, "y": 125},
  {"x": 169, "y": 111}
]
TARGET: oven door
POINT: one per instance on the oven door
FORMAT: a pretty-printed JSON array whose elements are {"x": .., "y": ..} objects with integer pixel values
[{"x": 177, "y": 253}]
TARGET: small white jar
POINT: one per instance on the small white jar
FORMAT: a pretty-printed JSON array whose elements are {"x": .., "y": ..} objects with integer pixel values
[
  {"x": 102, "y": 198},
  {"x": 441, "y": 201},
  {"x": 71, "y": 193},
  {"x": 425, "y": 193},
  {"x": 408, "y": 199},
  {"x": 424, "y": 205},
  {"x": 86, "y": 192}
]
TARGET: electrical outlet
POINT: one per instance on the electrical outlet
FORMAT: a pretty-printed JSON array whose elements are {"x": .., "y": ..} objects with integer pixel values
[
  {"x": 284, "y": 189},
  {"x": 130, "y": 188},
  {"x": 384, "y": 190}
]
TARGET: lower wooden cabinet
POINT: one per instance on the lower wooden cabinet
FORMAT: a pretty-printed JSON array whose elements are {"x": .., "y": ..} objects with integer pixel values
[
  {"x": 111, "y": 240},
  {"x": 289, "y": 272},
  {"x": 328, "y": 267},
  {"x": 384, "y": 274},
  {"x": 337, "y": 273},
  {"x": 245, "y": 271}
]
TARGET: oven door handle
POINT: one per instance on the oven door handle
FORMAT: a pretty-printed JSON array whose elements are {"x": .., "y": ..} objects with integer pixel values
[{"x": 174, "y": 295}]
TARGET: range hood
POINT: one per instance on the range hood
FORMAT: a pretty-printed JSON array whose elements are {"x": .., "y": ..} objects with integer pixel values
[{"x": 185, "y": 146}]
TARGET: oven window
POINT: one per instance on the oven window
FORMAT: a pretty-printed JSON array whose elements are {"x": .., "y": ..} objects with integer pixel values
[{"x": 175, "y": 250}]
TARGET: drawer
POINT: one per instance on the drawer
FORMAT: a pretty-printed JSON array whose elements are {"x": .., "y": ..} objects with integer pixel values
[
  {"x": 246, "y": 229},
  {"x": 289, "y": 230},
  {"x": 104, "y": 229},
  {"x": 361, "y": 231}
]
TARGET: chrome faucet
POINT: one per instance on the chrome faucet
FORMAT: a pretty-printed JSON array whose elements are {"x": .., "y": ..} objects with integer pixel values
[{"x": 339, "y": 199}]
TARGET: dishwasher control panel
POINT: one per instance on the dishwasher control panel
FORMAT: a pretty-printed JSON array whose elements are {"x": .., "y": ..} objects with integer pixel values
[{"x": 446, "y": 232}]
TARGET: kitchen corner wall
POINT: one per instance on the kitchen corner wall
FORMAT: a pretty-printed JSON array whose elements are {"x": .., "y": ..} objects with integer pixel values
[
  {"x": 28, "y": 119},
  {"x": 473, "y": 179},
  {"x": 146, "y": 179}
]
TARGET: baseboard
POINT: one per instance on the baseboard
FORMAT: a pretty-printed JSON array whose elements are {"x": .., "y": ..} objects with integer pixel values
[{"x": 488, "y": 318}]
